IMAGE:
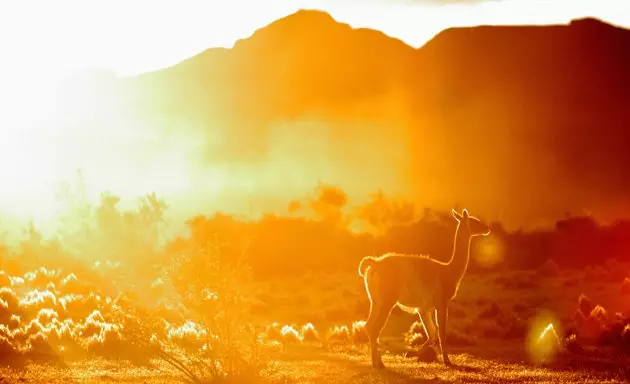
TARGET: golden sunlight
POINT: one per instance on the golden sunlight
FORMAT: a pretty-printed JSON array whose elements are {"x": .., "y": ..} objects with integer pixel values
[
  {"x": 29, "y": 161},
  {"x": 55, "y": 124},
  {"x": 170, "y": 210}
]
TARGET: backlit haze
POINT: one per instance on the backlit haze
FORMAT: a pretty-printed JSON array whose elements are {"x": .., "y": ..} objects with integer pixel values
[{"x": 50, "y": 128}]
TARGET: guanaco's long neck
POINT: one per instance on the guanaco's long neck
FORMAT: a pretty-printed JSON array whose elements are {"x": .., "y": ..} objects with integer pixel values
[{"x": 461, "y": 254}]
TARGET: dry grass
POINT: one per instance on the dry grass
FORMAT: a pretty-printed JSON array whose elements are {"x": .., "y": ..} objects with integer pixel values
[
  {"x": 488, "y": 327},
  {"x": 497, "y": 308},
  {"x": 502, "y": 300},
  {"x": 476, "y": 365},
  {"x": 310, "y": 364}
]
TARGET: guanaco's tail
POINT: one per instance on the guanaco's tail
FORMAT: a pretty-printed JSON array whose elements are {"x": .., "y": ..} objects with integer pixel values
[{"x": 366, "y": 263}]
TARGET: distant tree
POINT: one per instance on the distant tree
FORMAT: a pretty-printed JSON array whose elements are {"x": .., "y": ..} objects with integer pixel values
[
  {"x": 328, "y": 204},
  {"x": 382, "y": 212}
]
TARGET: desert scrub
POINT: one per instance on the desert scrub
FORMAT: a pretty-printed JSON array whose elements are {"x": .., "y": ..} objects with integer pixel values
[
  {"x": 355, "y": 333},
  {"x": 571, "y": 282},
  {"x": 549, "y": 268},
  {"x": 213, "y": 292},
  {"x": 615, "y": 270},
  {"x": 457, "y": 310},
  {"x": 522, "y": 280},
  {"x": 522, "y": 309}
]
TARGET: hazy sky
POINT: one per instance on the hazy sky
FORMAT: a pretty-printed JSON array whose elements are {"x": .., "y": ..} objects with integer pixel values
[
  {"x": 40, "y": 38},
  {"x": 130, "y": 36}
]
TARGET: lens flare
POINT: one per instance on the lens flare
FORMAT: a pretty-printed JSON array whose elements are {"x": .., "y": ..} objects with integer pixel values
[
  {"x": 489, "y": 251},
  {"x": 543, "y": 342}
]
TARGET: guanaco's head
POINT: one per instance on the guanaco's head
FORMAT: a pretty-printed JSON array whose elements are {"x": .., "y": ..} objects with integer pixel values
[{"x": 472, "y": 224}]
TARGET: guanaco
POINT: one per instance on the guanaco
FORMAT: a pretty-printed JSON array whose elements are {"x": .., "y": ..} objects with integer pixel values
[{"x": 418, "y": 284}]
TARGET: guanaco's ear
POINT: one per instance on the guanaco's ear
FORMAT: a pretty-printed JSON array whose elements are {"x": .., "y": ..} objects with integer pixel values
[
  {"x": 465, "y": 213},
  {"x": 456, "y": 215}
]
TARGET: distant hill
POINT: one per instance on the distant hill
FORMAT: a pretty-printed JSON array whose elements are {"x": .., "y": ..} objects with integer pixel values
[{"x": 531, "y": 121}]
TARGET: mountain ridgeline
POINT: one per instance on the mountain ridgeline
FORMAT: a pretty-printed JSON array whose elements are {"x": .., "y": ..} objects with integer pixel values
[{"x": 516, "y": 122}]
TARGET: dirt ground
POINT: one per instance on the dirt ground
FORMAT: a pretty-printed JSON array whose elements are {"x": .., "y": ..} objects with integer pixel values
[{"x": 316, "y": 364}]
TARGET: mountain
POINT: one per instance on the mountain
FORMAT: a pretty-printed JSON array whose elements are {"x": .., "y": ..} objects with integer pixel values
[
  {"x": 299, "y": 63},
  {"x": 519, "y": 122}
]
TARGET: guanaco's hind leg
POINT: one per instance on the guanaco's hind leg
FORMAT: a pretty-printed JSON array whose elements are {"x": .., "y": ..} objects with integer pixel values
[
  {"x": 379, "y": 312},
  {"x": 381, "y": 304}
]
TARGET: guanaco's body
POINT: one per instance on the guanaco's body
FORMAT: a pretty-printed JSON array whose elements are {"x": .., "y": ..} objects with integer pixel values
[{"x": 418, "y": 284}]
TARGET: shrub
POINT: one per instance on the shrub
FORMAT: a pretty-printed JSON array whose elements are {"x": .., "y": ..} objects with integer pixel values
[
  {"x": 572, "y": 344},
  {"x": 585, "y": 304},
  {"x": 309, "y": 333},
  {"x": 570, "y": 282},
  {"x": 358, "y": 332},
  {"x": 521, "y": 308},
  {"x": 456, "y": 313},
  {"x": 339, "y": 334},
  {"x": 415, "y": 336},
  {"x": 549, "y": 268},
  {"x": 213, "y": 292},
  {"x": 460, "y": 339},
  {"x": 625, "y": 337},
  {"x": 290, "y": 335},
  {"x": 518, "y": 330},
  {"x": 492, "y": 312}
]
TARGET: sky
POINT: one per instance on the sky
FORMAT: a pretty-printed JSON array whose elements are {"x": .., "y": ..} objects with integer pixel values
[
  {"x": 41, "y": 40},
  {"x": 133, "y": 36}
]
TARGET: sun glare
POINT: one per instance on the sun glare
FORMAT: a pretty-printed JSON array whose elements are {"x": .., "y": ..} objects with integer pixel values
[
  {"x": 543, "y": 342},
  {"x": 53, "y": 125},
  {"x": 29, "y": 159}
]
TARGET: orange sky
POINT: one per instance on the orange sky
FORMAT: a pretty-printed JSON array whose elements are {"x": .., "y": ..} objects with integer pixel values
[{"x": 140, "y": 35}]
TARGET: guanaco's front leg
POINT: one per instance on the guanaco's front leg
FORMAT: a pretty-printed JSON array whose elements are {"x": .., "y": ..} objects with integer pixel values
[{"x": 442, "y": 316}]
